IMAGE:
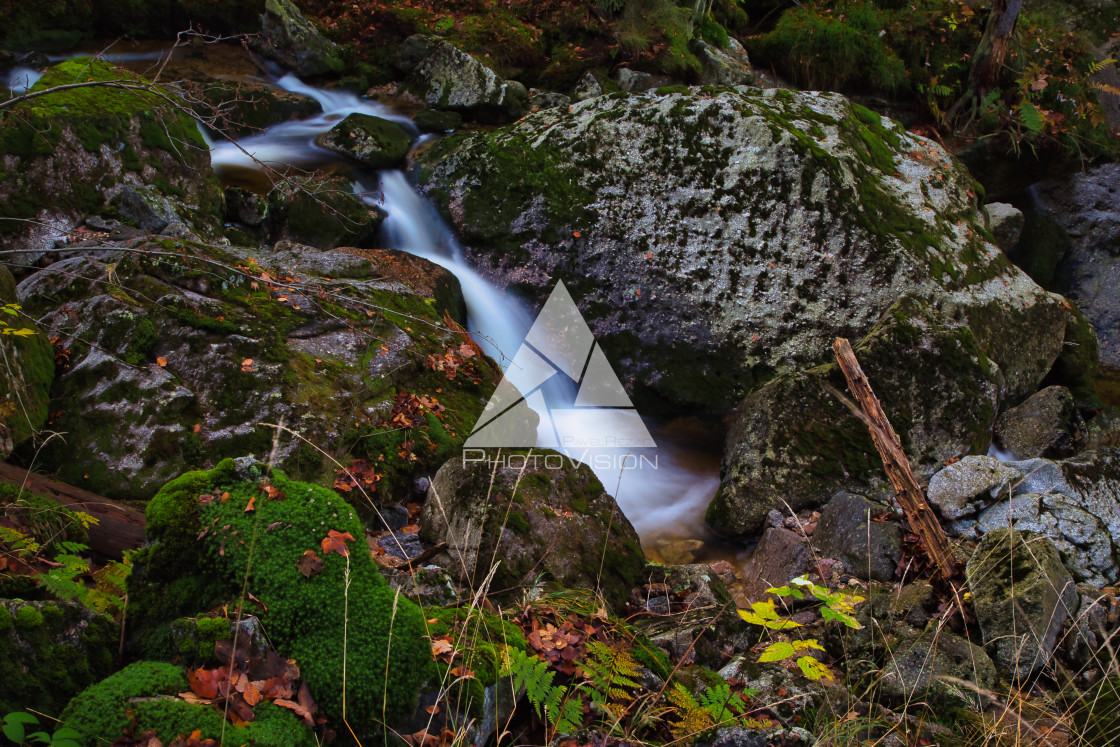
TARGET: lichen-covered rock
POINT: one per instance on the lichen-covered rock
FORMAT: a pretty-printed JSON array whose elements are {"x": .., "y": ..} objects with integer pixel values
[
  {"x": 324, "y": 213},
  {"x": 1022, "y": 595},
  {"x": 1006, "y": 224},
  {"x": 588, "y": 87},
  {"x": 1047, "y": 424},
  {"x": 290, "y": 39},
  {"x": 723, "y": 67},
  {"x": 49, "y": 651},
  {"x": 68, "y": 154},
  {"x": 179, "y": 357},
  {"x": 373, "y": 142},
  {"x": 555, "y": 518},
  {"x": 914, "y": 669},
  {"x": 1076, "y": 503},
  {"x": 970, "y": 485},
  {"x": 794, "y": 444},
  {"x": 145, "y": 696},
  {"x": 199, "y": 526},
  {"x": 715, "y": 237},
  {"x": 846, "y": 531},
  {"x": 780, "y": 557},
  {"x": 445, "y": 77}
]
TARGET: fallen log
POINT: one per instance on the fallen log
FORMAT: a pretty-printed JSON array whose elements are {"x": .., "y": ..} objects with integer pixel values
[
  {"x": 118, "y": 528},
  {"x": 913, "y": 501}
]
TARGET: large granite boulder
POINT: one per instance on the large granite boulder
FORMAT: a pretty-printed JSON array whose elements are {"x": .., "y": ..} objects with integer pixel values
[
  {"x": 180, "y": 353},
  {"x": 290, "y": 39},
  {"x": 793, "y": 443},
  {"x": 446, "y": 77},
  {"x": 72, "y": 153},
  {"x": 536, "y": 513},
  {"x": 714, "y": 238}
]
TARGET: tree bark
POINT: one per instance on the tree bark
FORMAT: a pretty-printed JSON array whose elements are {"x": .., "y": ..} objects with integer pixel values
[
  {"x": 118, "y": 527},
  {"x": 990, "y": 55},
  {"x": 910, "y": 496}
]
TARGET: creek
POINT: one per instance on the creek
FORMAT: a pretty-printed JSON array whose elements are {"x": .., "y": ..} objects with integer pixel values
[{"x": 665, "y": 492}]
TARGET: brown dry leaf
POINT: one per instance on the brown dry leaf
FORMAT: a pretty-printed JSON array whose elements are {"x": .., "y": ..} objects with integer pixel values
[
  {"x": 161, "y": 362},
  {"x": 247, "y": 365},
  {"x": 190, "y": 697},
  {"x": 336, "y": 542},
  {"x": 225, "y": 497},
  {"x": 310, "y": 563},
  {"x": 441, "y": 647},
  {"x": 251, "y": 505},
  {"x": 432, "y": 710},
  {"x": 208, "y": 683},
  {"x": 273, "y": 492},
  {"x": 462, "y": 672},
  {"x": 252, "y": 695},
  {"x": 411, "y": 529}
]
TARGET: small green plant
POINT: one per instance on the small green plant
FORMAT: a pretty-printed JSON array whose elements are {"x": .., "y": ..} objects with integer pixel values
[
  {"x": 551, "y": 701},
  {"x": 834, "y": 605},
  {"x": 715, "y": 707},
  {"x": 107, "y": 593},
  {"x": 15, "y": 729},
  {"x": 12, "y": 309}
]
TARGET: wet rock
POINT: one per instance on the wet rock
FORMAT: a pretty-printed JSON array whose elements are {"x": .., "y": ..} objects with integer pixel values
[
  {"x": 634, "y": 81},
  {"x": 723, "y": 67},
  {"x": 1086, "y": 207},
  {"x": 147, "y": 208},
  {"x": 676, "y": 265},
  {"x": 588, "y": 87},
  {"x": 403, "y": 545},
  {"x": 428, "y": 586},
  {"x": 1022, "y": 595},
  {"x": 794, "y": 444},
  {"x": 546, "y": 99},
  {"x": 246, "y": 208},
  {"x": 69, "y": 155},
  {"x": 780, "y": 557},
  {"x": 324, "y": 213},
  {"x": 970, "y": 485},
  {"x": 432, "y": 120},
  {"x": 246, "y": 108},
  {"x": 290, "y": 39},
  {"x": 445, "y": 77},
  {"x": 373, "y": 142},
  {"x": 171, "y": 368},
  {"x": 1006, "y": 224},
  {"x": 916, "y": 665},
  {"x": 560, "y": 522},
  {"x": 1047, "y": 424},
  {"x": 871, "y": 550}
]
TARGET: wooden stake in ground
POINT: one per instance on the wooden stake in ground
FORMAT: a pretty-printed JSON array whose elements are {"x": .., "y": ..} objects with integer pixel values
[{"x": 910, "y": 496}]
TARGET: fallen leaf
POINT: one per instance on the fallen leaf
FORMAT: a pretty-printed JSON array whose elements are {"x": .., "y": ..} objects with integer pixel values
[
  {"x": 251, "y": 505},
  {"x": 336, "y": 542},
  {"x": 252, "y": 695},
  {"x": 161, "y": 361},
  {"x": 441, "y": 647},
  {"x": 310, "y": 563}
]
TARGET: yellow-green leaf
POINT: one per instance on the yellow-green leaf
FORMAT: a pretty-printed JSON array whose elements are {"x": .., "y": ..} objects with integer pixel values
[{"x": 814, "y": 669}]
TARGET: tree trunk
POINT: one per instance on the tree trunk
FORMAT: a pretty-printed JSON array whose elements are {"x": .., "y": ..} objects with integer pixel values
[{"x": 990, "y": 55}]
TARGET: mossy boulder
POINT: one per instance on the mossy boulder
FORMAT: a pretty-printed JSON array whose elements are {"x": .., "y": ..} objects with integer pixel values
[
  {"x": 199, "y": 526},
  {"x": 715, "y": 237},
  {"x": 446, "y": 77},
  {"x": 49, "y": 651},
  {"x": 793, "y": 444},
  {"x": 553, "y": 517},
  {"x": 324, "y": 213},
  {"x": 374, "y": 142},
  {"x": 290, "y": 39},
  {"x": 67, "y": 154},
  {"x": 1022, "y": 595},
  {"x": 246, "y": 108},
  {"x": 917, "y": 666},
  {"x": 179, "y": 357},
  {"x": 1047, "y": 424},
  {"x": 145, "y": 696}
]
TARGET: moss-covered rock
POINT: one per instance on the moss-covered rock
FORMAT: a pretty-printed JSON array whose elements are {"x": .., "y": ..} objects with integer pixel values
[
  {"x": 144, "y": 696},
  {"x": 553, "y": 518},
  {"x": 324, "y": 213},
  {"x": 189, "y": 350},
  {"x": 1022, "y": 595},
  {"x": 197, "y": 529},
  {"x": 290, "y": 39},
  {"x": 26, "y": 374},
  {"x": 793, "y": 444},
  {"x": 49, "y": 651},
  {"x": 374, "y": 142},
  {"x": 716, "y": 237},
  {"x": 446, "y": 77},
  {"x": 67, "y": 154}
]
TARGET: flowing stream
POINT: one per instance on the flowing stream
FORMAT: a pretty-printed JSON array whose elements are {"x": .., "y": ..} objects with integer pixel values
[{"x": 666, "y": 494}]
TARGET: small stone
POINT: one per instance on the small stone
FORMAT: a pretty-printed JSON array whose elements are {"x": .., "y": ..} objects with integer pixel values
[
  {"x": 1005, "y": 222},
  {"x": 963, "y": 488},
  {"x": 846, "y": 532},
  {"x": 1047, "y": 424},
  {"x": 587, "y": 88}
]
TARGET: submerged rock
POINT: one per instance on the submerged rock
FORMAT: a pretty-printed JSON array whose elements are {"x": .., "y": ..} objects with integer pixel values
[
  {"x": 716, "y": 237},
  {"x": 555, "y": 521},
  {"x": 1022, "y": 595}
]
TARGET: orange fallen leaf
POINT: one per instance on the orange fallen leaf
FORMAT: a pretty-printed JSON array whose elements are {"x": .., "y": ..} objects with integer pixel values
[
  {"x": 310, "y": 563},
  {"x": 250, "y": 506},
  {"x": 336, "y": 542},
  {"x": 161, "y": 361}
]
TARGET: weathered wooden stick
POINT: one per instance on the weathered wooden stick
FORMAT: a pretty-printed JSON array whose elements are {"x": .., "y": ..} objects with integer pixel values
[
  {"x": 119, "y": 527},
  {"x": 897, "y": 466}
]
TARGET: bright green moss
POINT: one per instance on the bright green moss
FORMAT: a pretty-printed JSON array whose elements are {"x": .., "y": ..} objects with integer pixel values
[
  {"x": 28, "y": 618},
  {"x": 305, "y": 616},
  {"x": 145, "y": 693}
]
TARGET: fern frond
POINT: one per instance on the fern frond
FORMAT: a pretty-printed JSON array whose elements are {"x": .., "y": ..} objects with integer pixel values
[
  {"x": 612, "y": 670},
  {"x": 1098, "y": 65},
  {"x": 22, "y": 544},
  {"x": 1105, "y": 87},
  {"x": 550, "y": 701},
  {"x": 694, "y": 719}
]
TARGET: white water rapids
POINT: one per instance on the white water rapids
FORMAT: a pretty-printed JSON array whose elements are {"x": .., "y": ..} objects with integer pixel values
[{"x": 666, "y": 495}]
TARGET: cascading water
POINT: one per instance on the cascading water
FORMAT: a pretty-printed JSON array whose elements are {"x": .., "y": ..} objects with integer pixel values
[{"x": 665, "y": 495}]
